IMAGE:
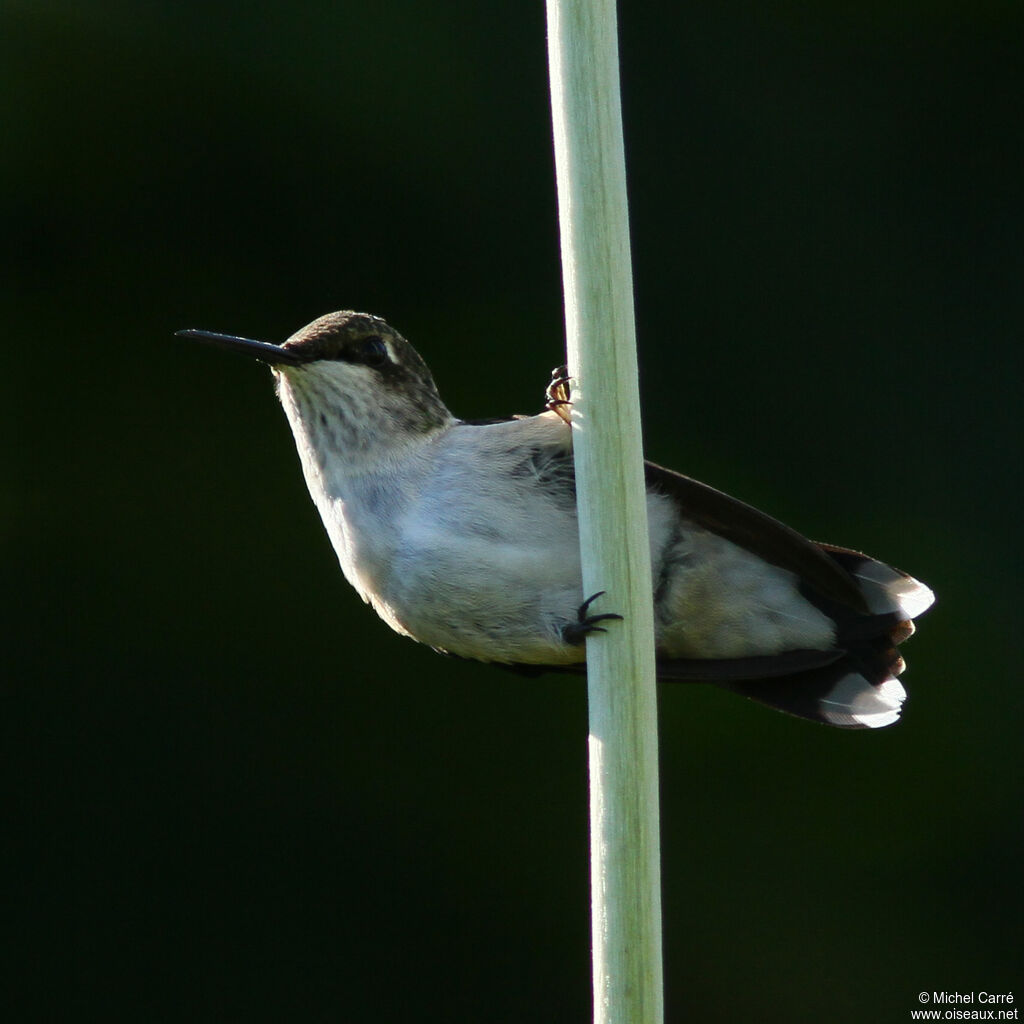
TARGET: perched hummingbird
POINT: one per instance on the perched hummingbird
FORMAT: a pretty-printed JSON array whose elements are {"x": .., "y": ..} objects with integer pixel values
[{"x": 463, "y": 535}]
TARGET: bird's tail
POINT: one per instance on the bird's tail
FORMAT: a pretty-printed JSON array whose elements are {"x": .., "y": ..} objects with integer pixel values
[{"x": 861, "y": 688}]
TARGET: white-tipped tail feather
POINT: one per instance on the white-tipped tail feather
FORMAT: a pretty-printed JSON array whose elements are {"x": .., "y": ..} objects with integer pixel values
[
  {"x": 855, "y": 703},
  {"x": 888, "y": 590}
]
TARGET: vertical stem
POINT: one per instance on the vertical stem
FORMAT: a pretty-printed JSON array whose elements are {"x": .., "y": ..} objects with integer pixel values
[{"x": 593, "y": 218}]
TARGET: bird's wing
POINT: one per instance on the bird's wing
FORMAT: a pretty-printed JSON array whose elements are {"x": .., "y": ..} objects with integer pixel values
[
  {"x": 708, "y": 670},
  {"x": 763, "y": 666},
  {"x": 758, "y": 533}
]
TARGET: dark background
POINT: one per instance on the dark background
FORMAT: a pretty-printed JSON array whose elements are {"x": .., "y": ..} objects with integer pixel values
[{"x": 230, "y": 792}]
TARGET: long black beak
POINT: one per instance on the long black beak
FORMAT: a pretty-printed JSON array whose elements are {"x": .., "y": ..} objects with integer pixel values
[{"x": 262, "y": 350}]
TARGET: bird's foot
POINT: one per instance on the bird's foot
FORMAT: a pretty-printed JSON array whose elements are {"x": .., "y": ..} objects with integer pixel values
[
  {"x": 576, "y": 632},
  {"x": 557, "y": 393}
]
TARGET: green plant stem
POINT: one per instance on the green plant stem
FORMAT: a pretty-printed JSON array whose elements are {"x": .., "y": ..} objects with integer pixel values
[{"x": 594, "y": 225}]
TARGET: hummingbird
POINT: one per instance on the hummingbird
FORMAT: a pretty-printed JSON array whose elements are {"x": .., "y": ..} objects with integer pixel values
[{"x": 463, "y": 535}]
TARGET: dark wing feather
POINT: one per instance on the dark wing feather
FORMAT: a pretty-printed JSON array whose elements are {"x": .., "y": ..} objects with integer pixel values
[
  {"x": 725, "y": 670},
  {"x": 758, "y": 533},
  {"x": 710, "y": 670}
]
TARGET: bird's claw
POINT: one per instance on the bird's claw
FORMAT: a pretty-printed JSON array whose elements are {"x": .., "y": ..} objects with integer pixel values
[
  {"x": 557, "y": 393},
  {"x": 576, "y": 632}
]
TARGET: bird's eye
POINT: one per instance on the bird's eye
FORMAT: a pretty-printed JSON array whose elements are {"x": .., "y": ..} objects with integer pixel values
[{"x": 373, "y": 351}]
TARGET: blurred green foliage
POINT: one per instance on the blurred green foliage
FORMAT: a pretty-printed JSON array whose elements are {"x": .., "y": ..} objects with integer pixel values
[{"x": 232, "y": 793}]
